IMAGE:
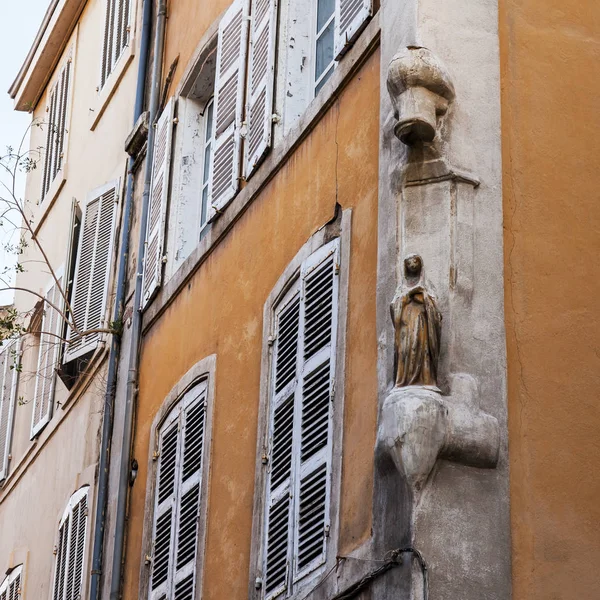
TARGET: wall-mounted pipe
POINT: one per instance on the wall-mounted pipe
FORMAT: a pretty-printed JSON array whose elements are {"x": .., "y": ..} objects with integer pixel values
[
  {"x": 136, "y": 326},
  {"x": 115, "y": 348}
]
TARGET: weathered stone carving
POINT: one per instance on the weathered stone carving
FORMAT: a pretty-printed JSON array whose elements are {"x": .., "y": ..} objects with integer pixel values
[
  {"x": 421, "y": 91},
  {"x": 418, "y": 424},
  {"x": 418, "y": 327}
]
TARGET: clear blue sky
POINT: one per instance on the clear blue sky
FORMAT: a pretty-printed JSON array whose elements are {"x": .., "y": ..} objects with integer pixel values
[{"x": 19, "y": 22}]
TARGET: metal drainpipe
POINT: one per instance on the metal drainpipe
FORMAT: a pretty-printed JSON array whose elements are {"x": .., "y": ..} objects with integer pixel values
[
  {"x": 115, "y": 348},
  {"x": 136, "y": 326}
]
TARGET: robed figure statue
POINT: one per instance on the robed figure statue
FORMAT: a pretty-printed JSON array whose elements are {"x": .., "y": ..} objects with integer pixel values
[{"x": 418, "y": 328}]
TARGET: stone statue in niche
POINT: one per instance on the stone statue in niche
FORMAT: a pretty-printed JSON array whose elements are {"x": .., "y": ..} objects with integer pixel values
[{"x": 418, "y": 328}]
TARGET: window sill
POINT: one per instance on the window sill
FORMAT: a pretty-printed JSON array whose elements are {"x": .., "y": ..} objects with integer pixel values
[
  {"x": 111, "y": 85},
  {"x": 364, "y": 46}
]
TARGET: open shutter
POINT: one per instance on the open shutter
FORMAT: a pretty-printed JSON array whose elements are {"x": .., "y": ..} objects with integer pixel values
[
  {"x": 229, "y": 102},
  {"x": 48, "y": 356},
  {"x": 157, "y": 211},
  {"x": 92, "y": 272},
  {"x": 163, "y": 535},
  {"x": 351, "y": 16},
  {"x": 319, "y": 281},
  {"x": 76, "y": 551},
  {"x": 279, "y": 501},
  {"x": 9, "y": 375},
  {"x": 61, "y": 560},
  {"x": 188, "y": 496},
  {"x": 14, "y": 587},
  {"x": 261, "y": 79}
]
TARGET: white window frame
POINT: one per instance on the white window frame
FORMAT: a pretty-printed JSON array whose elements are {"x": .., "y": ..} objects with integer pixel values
[
  {"x": 328, "y": 71},
  {"x": 75, "y": 499},
  {"x": 257, "y": 584},
  {"x": 202, "y": 373},
  {"x": 49, "y": 194},
  {"x": 8, "y": 399},
  {"x": 105, "y": 78},
  {"x": 5, "y": 587}
]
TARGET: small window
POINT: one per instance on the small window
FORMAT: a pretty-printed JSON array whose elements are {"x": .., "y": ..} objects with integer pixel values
[
  {"x": 11, "y": 586},
  {"x": 323, "y": 30},
  {"x": 92, "y": 271},
  {"x": 57, "y": 111},
  {"x": 178, "y": 496},
  {"x": 9, "y": 375},
  {"x": 116, "y": 35},
  {"x": 70, "y": 548},
  {"x": 49, "y": 353},
  {"x": 297, "y": 500}
]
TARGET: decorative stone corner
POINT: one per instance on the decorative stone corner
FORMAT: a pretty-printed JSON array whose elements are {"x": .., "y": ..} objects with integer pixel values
[
  {"x": 419, "y": 425},
  {"x": 421, "y": 91}
]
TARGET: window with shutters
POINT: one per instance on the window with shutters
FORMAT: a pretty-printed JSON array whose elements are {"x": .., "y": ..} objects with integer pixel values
[
  {"x": 9, "y": 375},
  {"x": 49, "y": 353},
  {"x": 92, "y": 271},
  {"x": 10, "y": 589},
  {"x": 56, "y": 124},
  {"x": 302, "y": 407},
  {"x": 178, "y": 492},
  {"x": 70, "y": 549},
  {"x": 315, "y": 34},
  {"x": 116, "y": 35}
]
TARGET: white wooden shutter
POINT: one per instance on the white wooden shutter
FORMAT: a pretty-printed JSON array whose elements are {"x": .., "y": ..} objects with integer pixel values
[
  {"x": 298, "y": 489},
  {"x": 261, "y": 80},
  {"x": 351, "y": 16},
  {"x": 70, "y": 550},
  {"x": 9, "y": 375},
  {"x": 48, "y": 356},
  {"x": 229, "y": 102},
  {"x": 188, "y": 495},
  {"x": 157, "y": 211},
  {"x": 177, "y": 502},
  {"x": 11, "y": 586},
  {"x": 279, "y": 525},
  {"x": 116, "y": 35},
  {"x": 92, "y": 272},
  {"x": 163, "y": 534}
]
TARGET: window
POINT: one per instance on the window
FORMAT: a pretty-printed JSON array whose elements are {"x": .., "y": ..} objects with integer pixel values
[
  {"x": 209, "y": 142},
  {"x": 302, "y": 403},
  {"x": 315, "y": 34},
  {"x": 50, "y": 336},
  {"x": 11, "y": 586},
  {"x": 56, "y": 124},
  {"x": 9, "y": 375},
  {"x": 92, "y": 270},
  {"x": 70, "y": 549},
  {"x": 116, "y": 35},
  {"x": 178, "y": 496}
]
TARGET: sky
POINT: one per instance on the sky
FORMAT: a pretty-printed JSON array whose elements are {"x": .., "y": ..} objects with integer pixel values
[{"x": 19, "y": 22}]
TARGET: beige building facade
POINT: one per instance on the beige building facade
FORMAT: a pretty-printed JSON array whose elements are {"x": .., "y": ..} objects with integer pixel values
[{"x": 303, "y": 331}]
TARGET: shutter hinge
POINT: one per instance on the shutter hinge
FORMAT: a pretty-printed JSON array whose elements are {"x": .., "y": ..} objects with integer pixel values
[
  {"x": 332, "y": 388},
  {"x": 327, "y": 528},
  {"x": 55, "y": 550},
  {"x": 271, "y": 340},
  {"x": 155, "y": 455},
  {"x": 264, "y": 459},
  {"x": 164, "y": 259},
  {"x": 244, "y": 129},
  {"x": 258, "y": 583},
  {"x": 147, "y": 559},
  {"x": 276, "y": 118},
  {"x": 337, "y": 267},
  {"x": 175, "y": 120}
]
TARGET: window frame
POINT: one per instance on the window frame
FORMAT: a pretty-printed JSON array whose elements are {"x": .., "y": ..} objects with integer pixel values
[
  {"x": 256, "y": 584},
  {"x": 204, "y": 370},
  {"x": 12, "y": 399},
  {"x": 9, "y": 579}
]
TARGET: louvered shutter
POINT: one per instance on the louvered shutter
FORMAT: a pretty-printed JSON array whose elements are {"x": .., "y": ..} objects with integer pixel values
[
  {"x": 229, "y": 102},
  {"x": 298, "y": 488},
  {"x": 157, "y": 211},
  {"x": 319, "y": 281},
  {"x": 9, "y": 375},
  {"x": 92, "y": 272},
  {"x": 193, "y": 421},
  {"x": 163, "y": 535},
  {"x": 11, "y": 586},
  {"x": 177, "y": 503},
  {"x": 48, "y": 356},
  {"x": 14, "y": 587},
  {"x": 70, "y": 550},
  {"x": 351, "y": 16},
  {"x": 116, "y": 35},
  {"x": 261, "y": 79},
  {"x": 279, "y": 526}
]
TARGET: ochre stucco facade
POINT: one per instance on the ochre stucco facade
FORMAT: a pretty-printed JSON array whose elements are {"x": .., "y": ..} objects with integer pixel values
[
  {"x": 550, "y": 52},
  {"x": 220, "y": 311}
]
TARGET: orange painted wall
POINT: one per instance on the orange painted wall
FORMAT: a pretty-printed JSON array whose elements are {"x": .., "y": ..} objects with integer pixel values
[
  {"x": 221, "y": 312},
  {"x": 551, "y": 147}
]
